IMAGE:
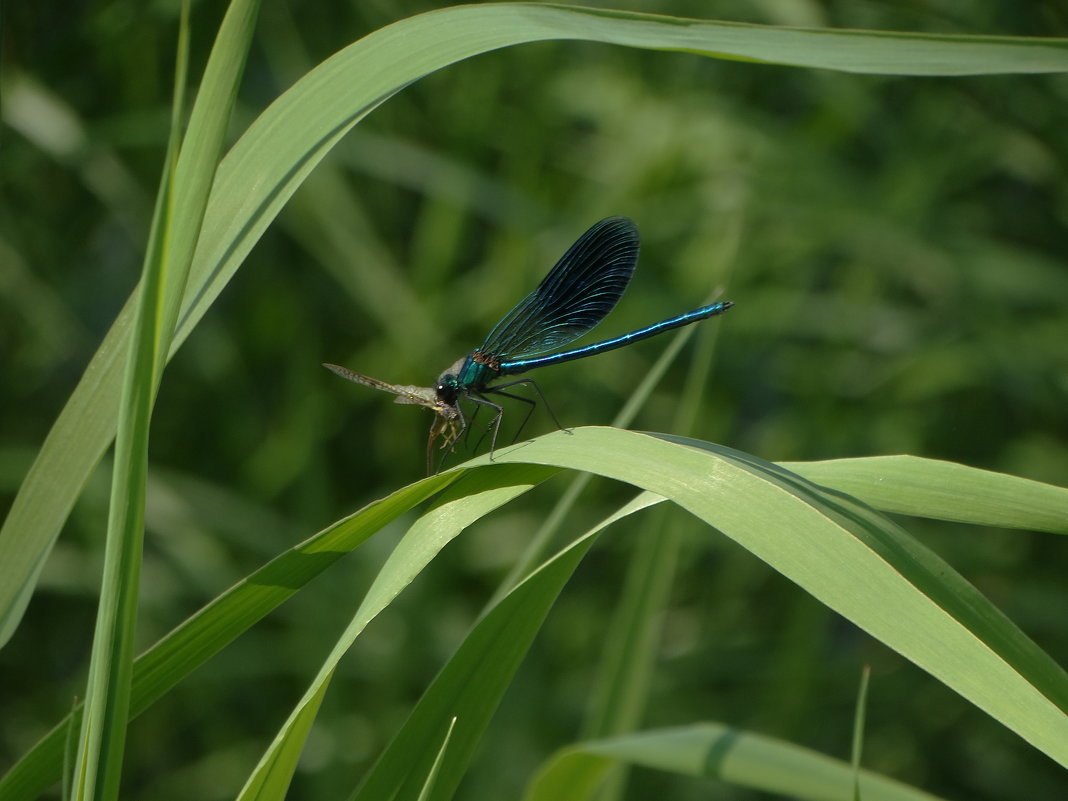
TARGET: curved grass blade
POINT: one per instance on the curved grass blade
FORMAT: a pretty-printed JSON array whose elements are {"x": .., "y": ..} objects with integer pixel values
[
  {"x": 272, "y": 781},
  {"x": 102, "y": 738},
  {"x": 912, "y": 485},
  {"x": 858, "y": 731},
  {"x": 435, "y": 769},
  {"x": 714, "y": 751},
  {"x": 847, "y": 556}
]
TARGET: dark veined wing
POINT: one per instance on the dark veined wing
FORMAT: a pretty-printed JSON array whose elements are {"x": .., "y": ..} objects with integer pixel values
[{"x": 577, "y": 293}]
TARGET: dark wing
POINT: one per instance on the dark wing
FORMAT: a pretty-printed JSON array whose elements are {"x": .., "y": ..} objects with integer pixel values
[{"x": 576, "y": 294}]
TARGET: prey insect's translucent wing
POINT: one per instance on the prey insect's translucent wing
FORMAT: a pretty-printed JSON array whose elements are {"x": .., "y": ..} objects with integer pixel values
[{"x": 419, "y": 396}]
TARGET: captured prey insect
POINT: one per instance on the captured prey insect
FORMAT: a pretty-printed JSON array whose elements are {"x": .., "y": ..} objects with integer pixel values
[
  {"x": 447, "y": 417},
  {"x": 575, "y": 296}
]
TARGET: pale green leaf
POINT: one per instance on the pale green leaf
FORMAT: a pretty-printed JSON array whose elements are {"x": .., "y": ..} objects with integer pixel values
[
  {"x": 714, "y": 751},
  {"x": 849, "y": 557},
  {"x": 911, "y": 485}
]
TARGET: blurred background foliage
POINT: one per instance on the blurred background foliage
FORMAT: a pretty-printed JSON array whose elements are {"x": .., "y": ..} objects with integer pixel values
[{"x": 895, "y": 247}]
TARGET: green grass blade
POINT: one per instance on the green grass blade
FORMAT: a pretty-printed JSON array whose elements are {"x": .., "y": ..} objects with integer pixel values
[
  {"x": 473, "y": 681},
  {"x": 858, "y": 732},
  {"x": 631, "y": 636},
  {"x": 299, "y": 128},
  {"x": 428, "y": 785},
  {"x": 74, "y": 445},
  {"x": 278, "y": 151},
  {"x": 207, "y": 632},
  {"x": 911, "y": 485},
  {"x": 271, "y": 781},
  {"x": 98, "y": 764},
  {"x": 875, "y": 52},
  {"x": 473, "y": 495},
  {"x": 714, "y": 751},
  {"x": 847, "y": 556},
  {"x": 201, "y": 153},
  {"x": 70, "y": 750},
  {"x": 96, "y": 772},
  {"x": 175, "y": 231}
]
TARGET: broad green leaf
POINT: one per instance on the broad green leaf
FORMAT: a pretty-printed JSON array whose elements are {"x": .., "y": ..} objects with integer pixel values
[
  {"x": 714, "y": 751},
  {"x": 284, "y": 144},
  {"x": 911, "y": 485},
  {"x": 850, "y": 558}
]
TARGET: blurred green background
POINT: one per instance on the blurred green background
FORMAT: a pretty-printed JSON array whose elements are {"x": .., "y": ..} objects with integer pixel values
[{"x": 896, "y": 251}]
